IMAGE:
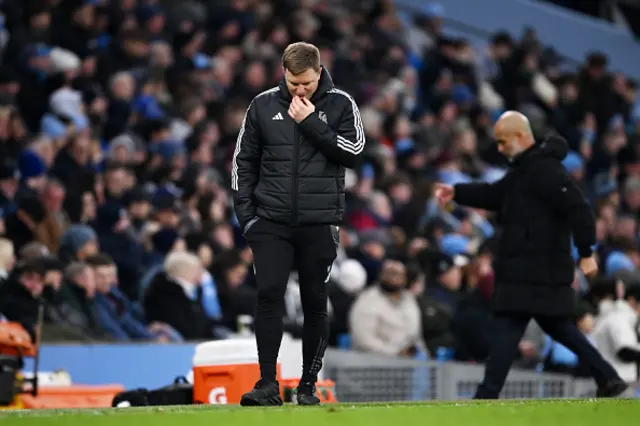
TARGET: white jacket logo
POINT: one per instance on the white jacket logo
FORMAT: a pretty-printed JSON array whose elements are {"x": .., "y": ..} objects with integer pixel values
[
  {"x": 218, "y": 396},
  {"x": 322, "y": 116}
]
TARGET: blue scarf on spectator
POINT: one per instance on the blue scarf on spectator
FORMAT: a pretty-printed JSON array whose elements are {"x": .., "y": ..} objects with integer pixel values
[{"x": 210, "y": 301}]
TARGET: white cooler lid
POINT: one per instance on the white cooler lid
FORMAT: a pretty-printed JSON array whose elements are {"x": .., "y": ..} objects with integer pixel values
[{"x": 226, "y": 352}]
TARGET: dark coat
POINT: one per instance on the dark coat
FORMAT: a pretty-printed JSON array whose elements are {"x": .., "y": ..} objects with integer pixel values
[
  {"x": 165, "y": 301},
  {"x": 18, "y": 304},
  {"x": 294, "y": 173},
  {"x": 539, "y": 208}
]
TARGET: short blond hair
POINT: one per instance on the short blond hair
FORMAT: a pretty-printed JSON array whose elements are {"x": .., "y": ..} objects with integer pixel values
[
  {"x": 299, "y": 57},
  {"x": 180, "y": 264}
]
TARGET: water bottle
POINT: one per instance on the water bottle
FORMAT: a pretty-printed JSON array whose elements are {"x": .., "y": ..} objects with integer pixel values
[{"x": 244, "y": 325}]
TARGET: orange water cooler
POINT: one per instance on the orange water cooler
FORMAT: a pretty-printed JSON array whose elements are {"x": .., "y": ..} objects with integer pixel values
[{"x": 223, "y": 370}]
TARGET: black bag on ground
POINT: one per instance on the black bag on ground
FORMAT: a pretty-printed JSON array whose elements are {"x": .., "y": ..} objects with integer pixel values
[
  {"x": 132, "y": 398},
  {"x": 180, "y": 392}
]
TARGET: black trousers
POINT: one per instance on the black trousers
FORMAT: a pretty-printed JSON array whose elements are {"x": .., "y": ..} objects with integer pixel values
[
  {"x": 507, "y": 333},
  {"x": 277, "y": 249}
]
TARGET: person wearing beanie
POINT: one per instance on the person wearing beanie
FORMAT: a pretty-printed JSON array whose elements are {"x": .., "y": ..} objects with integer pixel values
[
  {"x": 121, "y": 149},
  {"x": 33, "y": 170},
  {"x": 78, "y": 243},
  {"x": 165, "y": 207},
  {"x": 446, "y": 279},
  {"x": 63, "y": 60},
  {"x": 152, "y": 18},
  {"x": 170, "y": 151},
  {"x": 53, "y": 127}
]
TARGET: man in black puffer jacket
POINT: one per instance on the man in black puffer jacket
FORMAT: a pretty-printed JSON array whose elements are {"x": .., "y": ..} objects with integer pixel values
[
  {"x": 288, "y": 179},
  {"x": 540, "y": 209}
]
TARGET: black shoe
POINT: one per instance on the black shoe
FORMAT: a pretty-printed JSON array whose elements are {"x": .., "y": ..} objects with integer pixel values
[
  {"x": 306, "y": 394},
  {"x": 263, "y": 394},
  {"x": 612, "y": 389}
]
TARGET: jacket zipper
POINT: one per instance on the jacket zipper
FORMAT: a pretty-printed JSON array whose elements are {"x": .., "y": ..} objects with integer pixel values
[
  {"x": 294, "y": 177},
  {"x": 338, "y": 190}
]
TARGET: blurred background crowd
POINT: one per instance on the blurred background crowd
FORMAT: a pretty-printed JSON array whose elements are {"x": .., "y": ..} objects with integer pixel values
[{"x": 118, "y": 123}]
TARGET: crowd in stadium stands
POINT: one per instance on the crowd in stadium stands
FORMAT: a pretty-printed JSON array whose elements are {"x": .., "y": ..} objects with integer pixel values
[{"x": 118, "y": 123}]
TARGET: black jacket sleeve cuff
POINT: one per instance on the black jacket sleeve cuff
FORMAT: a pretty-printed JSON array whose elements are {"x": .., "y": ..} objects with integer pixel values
[
  {"x": 585, "y": 251},
  {"x": 313, "y": 127}
]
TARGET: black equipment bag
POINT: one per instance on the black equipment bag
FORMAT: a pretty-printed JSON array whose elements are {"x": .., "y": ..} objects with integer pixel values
[{"x": 180, "y": 392}]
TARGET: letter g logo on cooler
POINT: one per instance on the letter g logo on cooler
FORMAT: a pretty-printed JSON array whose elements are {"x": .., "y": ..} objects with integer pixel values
[{"x": 218, "y": 396}]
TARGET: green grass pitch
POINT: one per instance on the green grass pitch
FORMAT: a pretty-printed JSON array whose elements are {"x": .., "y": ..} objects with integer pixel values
[{"x": 586, "y": 412}]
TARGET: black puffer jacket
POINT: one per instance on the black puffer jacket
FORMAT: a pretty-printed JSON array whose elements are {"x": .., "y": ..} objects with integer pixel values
[
  {"x": 539, "y": 208},
  {"x": 294, "y": 173}
]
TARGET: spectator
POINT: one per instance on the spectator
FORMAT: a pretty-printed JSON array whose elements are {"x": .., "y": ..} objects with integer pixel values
[
  {"x": 385, "y": 319},
  {"x": 164, "y": 242},
  {"x": 200, "y": 245},
  {"x": 447, "y": 274},
  {"x": 616, "y": 332},
  {"x": 138, "y": 205},
  {"x": 112, "y": 226},
  {"x": 56, "y": 220},
  {"x": 24, "y": 224},
  {"x": 61, "y": 319},
  {"x": 78, "y": 293},
  {"x": 236, "y": 297},
  {"x": 74, "y": 166},
  {"x": 472, "y": 322},
  {"x": 19, "y": 298},
  {"x": 121, "y": 318},
  {"x": 439, "y": 301},
  {"x": 79, "y": 242},
  {"x": 172, "y": 297},
  {"x": 343, "y": 292},
  {"x": 53, "y": 276}
]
